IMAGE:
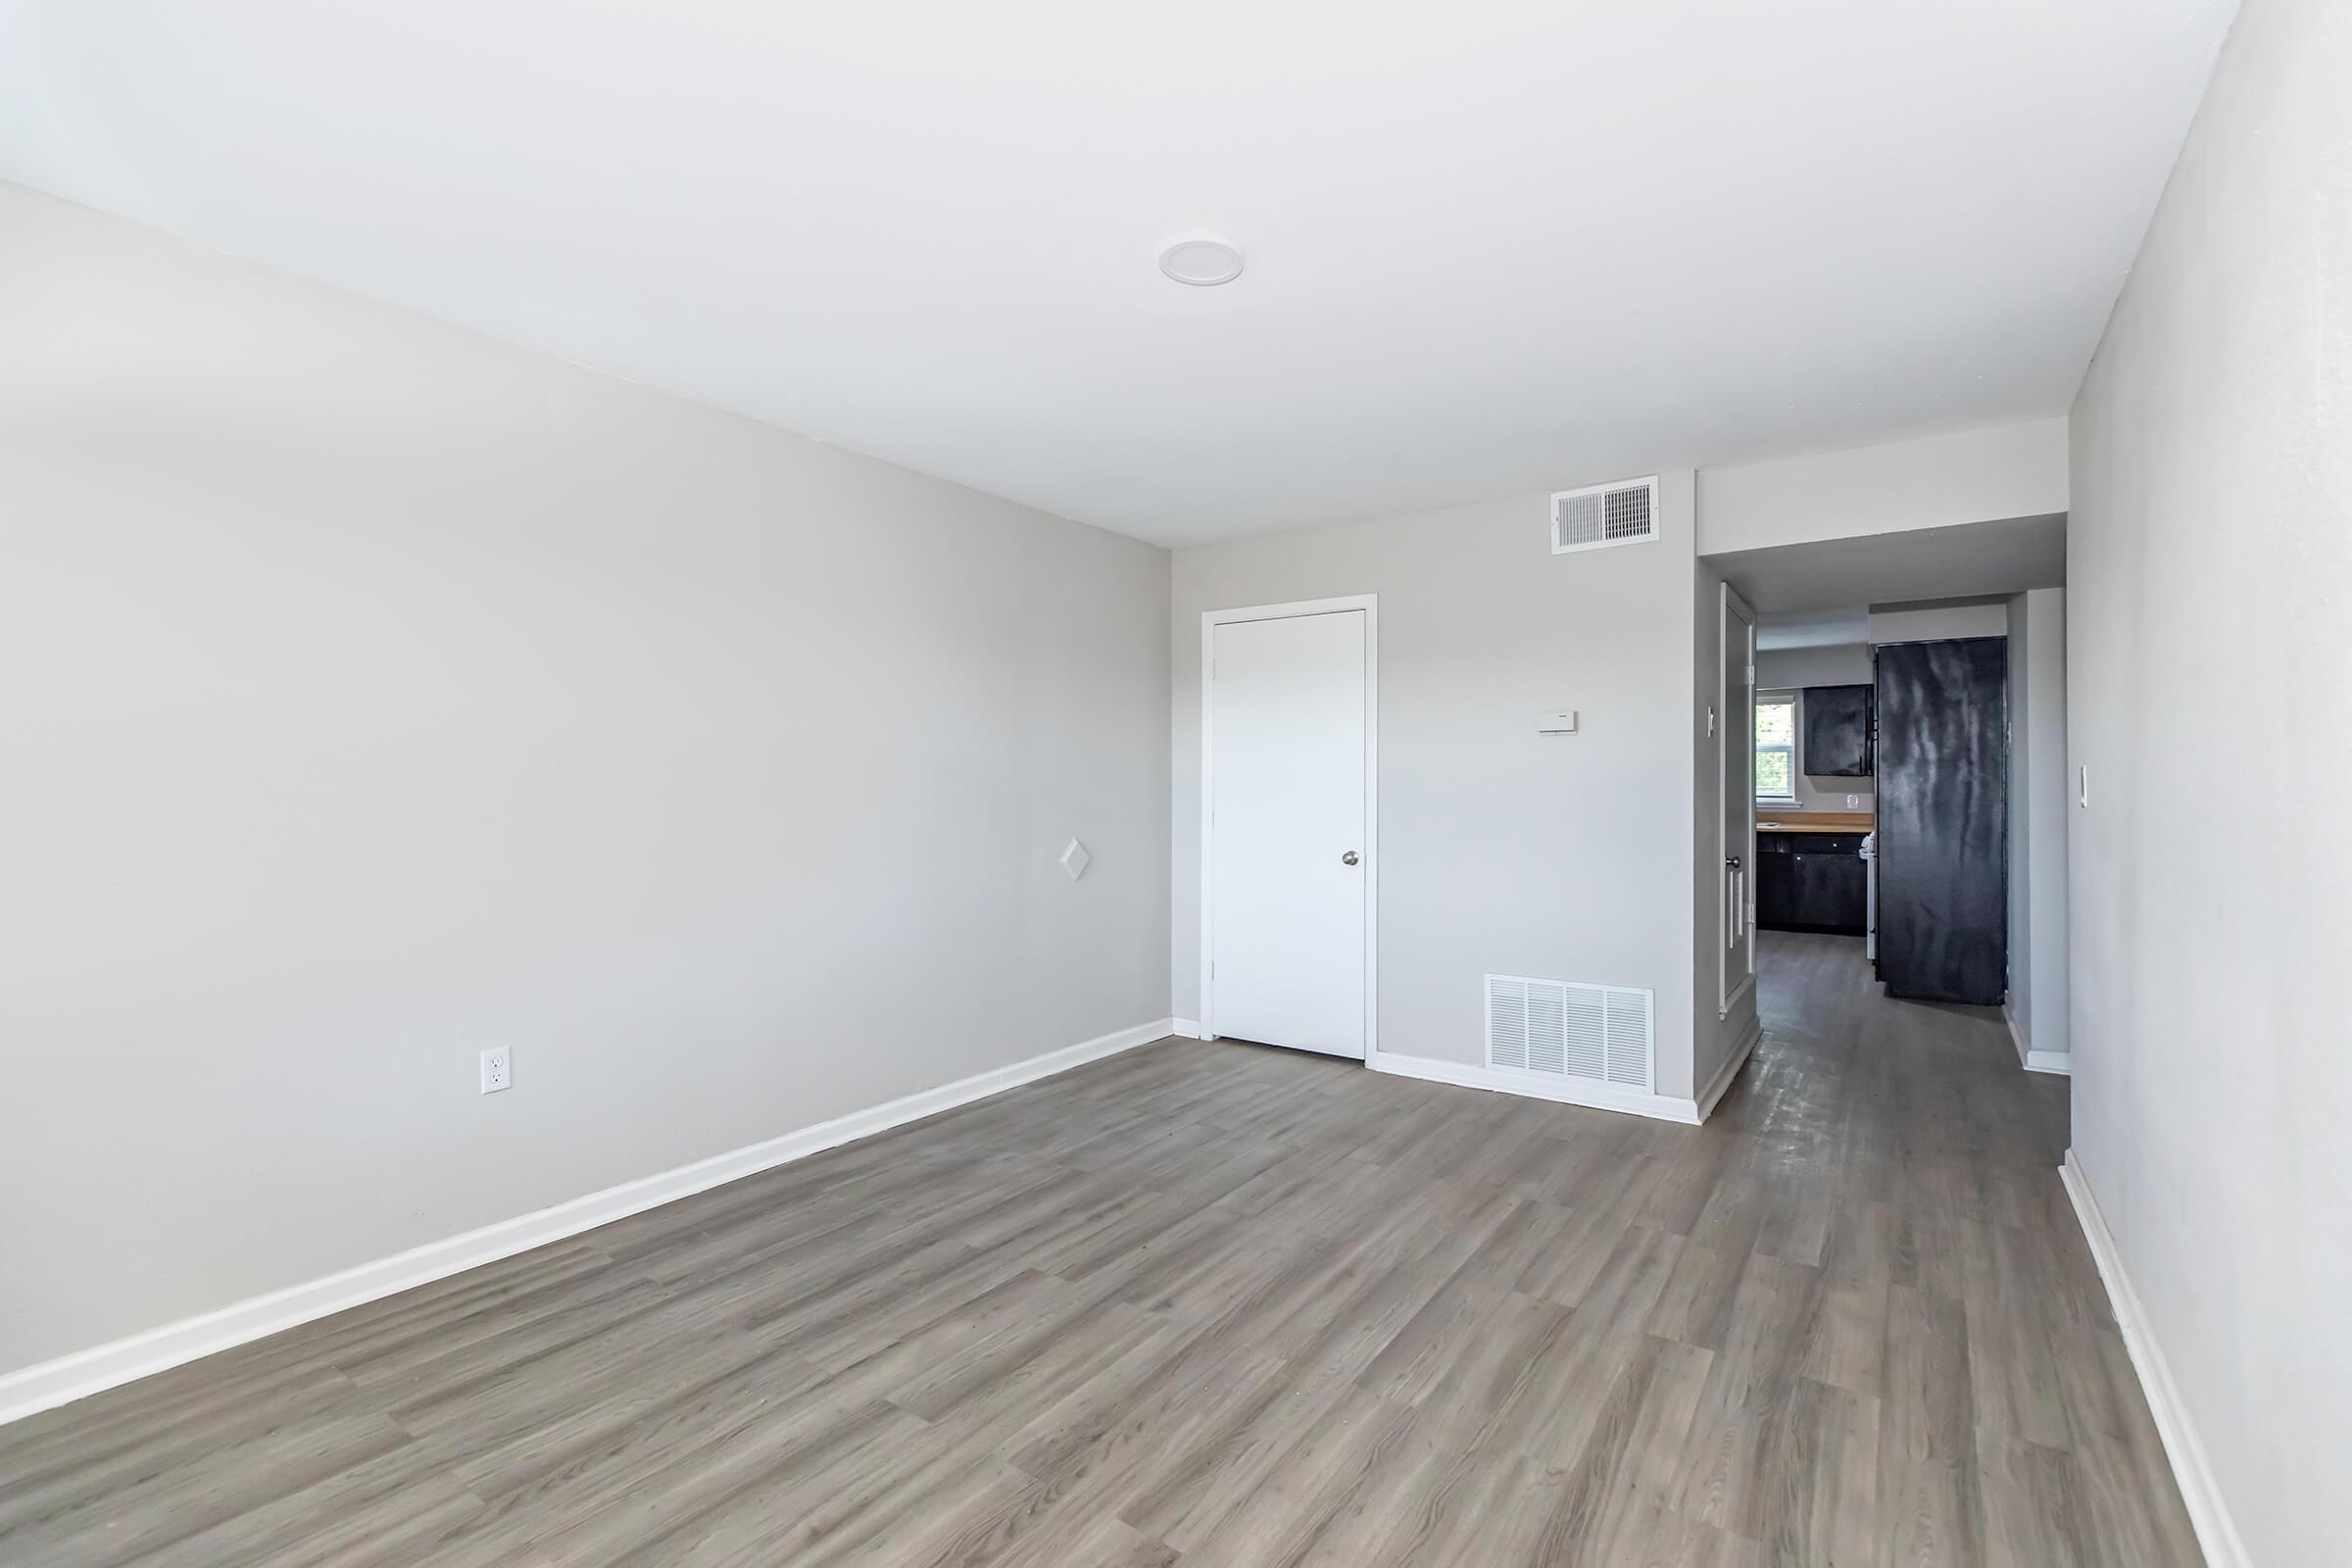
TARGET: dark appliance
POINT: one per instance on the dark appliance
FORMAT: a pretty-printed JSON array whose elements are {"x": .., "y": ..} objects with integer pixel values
[{"x": 1944, "y": 820}]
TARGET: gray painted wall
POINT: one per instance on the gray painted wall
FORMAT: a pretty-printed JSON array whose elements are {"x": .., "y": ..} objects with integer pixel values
[
  {"x": 1501, "y": 850},
  {"x": 1928, "y": 622},
  {"x": 2038, "y": 820},
  {"x": 1845, "y": 665},
  {"x": 2049, "y": 813},
  {"x": 1795, "y": 669},
  {"x": 2010, "y": 471},
  {"x": 2020, "y": 1004},
  {"x": 2208, "y": 556},
  {"x": 378, "y": 694}
]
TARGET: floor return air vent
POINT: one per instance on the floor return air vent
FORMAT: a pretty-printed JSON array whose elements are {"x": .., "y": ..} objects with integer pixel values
[{"x": 1561, "y": 1029}]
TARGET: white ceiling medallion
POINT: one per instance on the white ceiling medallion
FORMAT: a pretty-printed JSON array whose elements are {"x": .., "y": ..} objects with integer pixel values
[{"x": 1202, "y": 261}]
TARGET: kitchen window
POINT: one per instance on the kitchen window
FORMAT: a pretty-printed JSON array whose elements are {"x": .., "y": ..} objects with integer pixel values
[{"x": 1776, "y": 747}]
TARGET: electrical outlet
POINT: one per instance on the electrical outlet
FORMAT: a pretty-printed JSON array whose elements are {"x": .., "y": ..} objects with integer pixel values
[{"x": 498, "y": 1070}]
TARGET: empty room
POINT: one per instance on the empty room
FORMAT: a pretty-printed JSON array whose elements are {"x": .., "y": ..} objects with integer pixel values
[{"x": 1072, "y": 786}]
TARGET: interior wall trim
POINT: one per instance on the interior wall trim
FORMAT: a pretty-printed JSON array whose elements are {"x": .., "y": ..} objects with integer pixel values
[
  {"x": 48, "y": 1383},
  {"x": 1538, "y": 1086},
  {"x": 2208, "y": 1513},
  {"x": 1721, "y": 1083},
  {"x": 1724, "y": 1010},
  {"x": 2058, "y": 1063}
]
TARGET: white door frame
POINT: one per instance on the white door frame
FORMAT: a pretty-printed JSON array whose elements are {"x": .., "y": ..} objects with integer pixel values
[
  {"x": 1744, "y": 934},
  {"x": 1210, "y": 620}
]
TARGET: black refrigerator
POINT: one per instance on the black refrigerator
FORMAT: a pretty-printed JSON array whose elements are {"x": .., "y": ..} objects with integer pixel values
[{"x": 1944, "y": 820}]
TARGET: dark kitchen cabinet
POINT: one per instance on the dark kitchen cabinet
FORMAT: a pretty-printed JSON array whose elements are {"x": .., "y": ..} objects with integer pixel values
[
  {"x": 1837, "y": 732},
  {"x": 1811, "y": 882}
]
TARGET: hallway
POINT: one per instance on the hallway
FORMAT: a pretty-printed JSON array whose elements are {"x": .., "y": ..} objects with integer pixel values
[{"x": 2007, "y": 1410}]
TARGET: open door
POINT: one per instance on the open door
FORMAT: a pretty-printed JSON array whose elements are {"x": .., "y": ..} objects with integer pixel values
[{"x": 1736, "y": 746}]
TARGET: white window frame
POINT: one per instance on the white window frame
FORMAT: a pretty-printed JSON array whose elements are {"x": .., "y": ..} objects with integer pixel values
[{"x": 1796, "y": 721}]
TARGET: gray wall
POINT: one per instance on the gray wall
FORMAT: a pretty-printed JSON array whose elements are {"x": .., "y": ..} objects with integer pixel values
[
  {"x": 2037, "y": 820},
  {"x": 1500, "y": 850},
  {"x": 377, "y": 694},
  {"x": 2020, "y": 1004},
  {"x": 1795, "y": 669},
  {"x": 2010, "y": 471},
  {"x": 1940, "y": 618},
  {"x": 2208, "y": 556}
]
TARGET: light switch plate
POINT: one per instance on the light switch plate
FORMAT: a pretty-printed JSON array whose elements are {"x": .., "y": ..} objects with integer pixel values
[
  {"x": 1075, "y": 860},
  {"x": 1560, "y": 721}
]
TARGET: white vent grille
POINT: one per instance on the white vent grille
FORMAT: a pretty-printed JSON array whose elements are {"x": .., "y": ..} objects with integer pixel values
[
  {"x": 1625, "y": 512},
  {"x": 1600, "y": 1034}
]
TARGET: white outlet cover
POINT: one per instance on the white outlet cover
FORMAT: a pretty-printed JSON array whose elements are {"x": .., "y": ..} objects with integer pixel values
[
  {"x": 498, "y": 1070},
  {"x": 1075, "y": 860}
]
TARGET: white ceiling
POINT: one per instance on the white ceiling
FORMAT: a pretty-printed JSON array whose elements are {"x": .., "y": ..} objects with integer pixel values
[{"x": 1492, "y": 247}]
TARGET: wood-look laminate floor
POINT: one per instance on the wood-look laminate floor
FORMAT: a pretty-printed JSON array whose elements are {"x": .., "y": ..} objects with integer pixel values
[{"x": 1221, "y": 1304}]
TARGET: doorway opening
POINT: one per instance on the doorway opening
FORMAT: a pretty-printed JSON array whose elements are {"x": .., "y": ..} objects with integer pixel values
[{"x": 1907, "y": 758}]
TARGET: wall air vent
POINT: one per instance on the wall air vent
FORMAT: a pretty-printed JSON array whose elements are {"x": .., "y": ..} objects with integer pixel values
[
  {"x": 1625, "y": 512},
  {"x": 1599, "y": 1034}
]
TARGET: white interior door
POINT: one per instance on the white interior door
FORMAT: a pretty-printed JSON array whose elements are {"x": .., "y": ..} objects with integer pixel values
[
  {"x": 1289, "y": 862},
  {"x": 1736, "y": 740}
]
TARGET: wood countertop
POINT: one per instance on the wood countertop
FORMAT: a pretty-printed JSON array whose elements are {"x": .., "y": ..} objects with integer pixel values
[{"x": 1775, "y": 821}]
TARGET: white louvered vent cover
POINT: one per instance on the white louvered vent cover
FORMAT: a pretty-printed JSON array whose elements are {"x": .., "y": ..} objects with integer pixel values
[
  {"x": 1625, "y": 512},
  {"x": 1600, "y": 1034}
]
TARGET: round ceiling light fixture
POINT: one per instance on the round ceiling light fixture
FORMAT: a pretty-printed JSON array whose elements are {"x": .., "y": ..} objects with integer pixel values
[{"x": 1202, "y": 261}]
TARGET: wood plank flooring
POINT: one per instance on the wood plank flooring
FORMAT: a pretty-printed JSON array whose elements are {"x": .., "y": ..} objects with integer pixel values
[{"x": 1220, "y": 1304}]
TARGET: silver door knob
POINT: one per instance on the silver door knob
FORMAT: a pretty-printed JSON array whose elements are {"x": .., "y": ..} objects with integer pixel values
[
  {"x": 1731, "y": 862},
  {"x": 1349, "y": 858}
]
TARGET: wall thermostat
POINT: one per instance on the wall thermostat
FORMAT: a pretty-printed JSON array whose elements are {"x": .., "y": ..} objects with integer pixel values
[{"x": 1559, "y": 722}]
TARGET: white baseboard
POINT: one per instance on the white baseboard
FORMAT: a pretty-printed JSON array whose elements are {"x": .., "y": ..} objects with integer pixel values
[
  {"x": 2208, "y": 1514},
  {"x": 2057, "y": 1063},
  {"x": 85, "y": 1372},
  {"x": 1187, "y": 1028},
  {"x": 1537, "y": 1086},
  {"x": 1724, "y": 1008},
  {"x": 1722, "y": 1081}
]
